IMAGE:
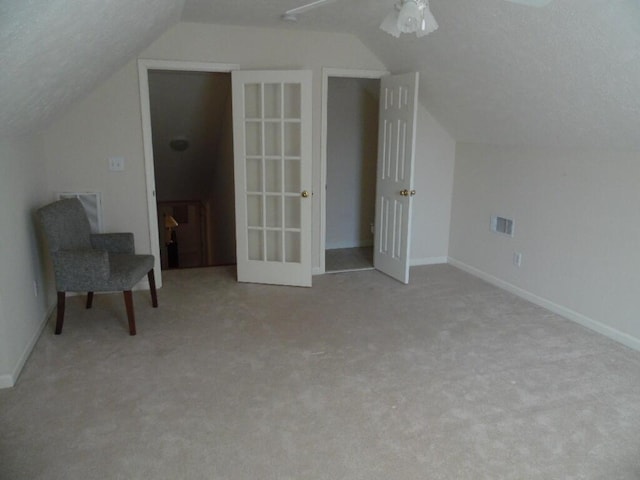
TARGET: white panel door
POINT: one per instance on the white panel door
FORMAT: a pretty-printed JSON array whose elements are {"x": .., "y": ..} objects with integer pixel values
[
  {"x": 394, "y": 185},
  {"x": 272, "y": 155}
]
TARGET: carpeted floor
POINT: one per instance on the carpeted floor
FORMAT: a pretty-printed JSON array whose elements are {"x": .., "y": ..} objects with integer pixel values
[
  {"x": 359, "y": 377},
  {"x": 348, "y": 259}
]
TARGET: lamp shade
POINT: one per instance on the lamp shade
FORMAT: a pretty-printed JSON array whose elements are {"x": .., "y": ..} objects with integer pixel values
[
  {"x": 429, "y": 23},
  {"x": 390, "y": 24},
  {"x": 170, "y": 222}
]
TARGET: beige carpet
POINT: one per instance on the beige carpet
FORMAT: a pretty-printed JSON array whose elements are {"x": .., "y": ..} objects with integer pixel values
[
  {"x": 348, "y": 259},
  {"x": 357, "y": 378}
]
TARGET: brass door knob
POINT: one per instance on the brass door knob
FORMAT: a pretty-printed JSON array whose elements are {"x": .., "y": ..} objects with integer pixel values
[
  {"x": 404, "y": 192},
  {"x": 304, "y": 194}
]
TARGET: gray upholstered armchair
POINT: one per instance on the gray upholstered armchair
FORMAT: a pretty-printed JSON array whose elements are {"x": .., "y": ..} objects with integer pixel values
[{"x": 86, "y": 262}]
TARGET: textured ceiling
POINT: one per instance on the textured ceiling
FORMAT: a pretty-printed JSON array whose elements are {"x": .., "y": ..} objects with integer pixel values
[
  {"x": 494, "y": 72},
  {"x": 55, "y": 51}
]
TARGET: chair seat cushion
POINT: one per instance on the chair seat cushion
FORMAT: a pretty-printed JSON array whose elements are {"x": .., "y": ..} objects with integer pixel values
[
  {"x": 128, "y": 269},
  {"x": 125, "y": 270}
]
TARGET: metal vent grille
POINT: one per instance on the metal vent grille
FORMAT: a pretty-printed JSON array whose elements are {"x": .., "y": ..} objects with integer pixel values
[
  {"x": 502, "y": 225},
  {"x": 92, "y": 203}
]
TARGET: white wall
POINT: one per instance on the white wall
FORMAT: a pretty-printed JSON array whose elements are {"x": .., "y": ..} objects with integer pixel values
[
  {"x": 22, "y": 313},
  {"x": 352, "y": 148},
  {"x": 577, "y": 224},
  {"x": 78, "y": 144},
  {"x": 433, "y": 181}
]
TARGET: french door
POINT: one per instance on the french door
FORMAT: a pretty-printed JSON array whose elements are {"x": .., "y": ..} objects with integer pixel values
[
  {"x": 394, "y": 184},
  {"x": 272, "y": 170}
]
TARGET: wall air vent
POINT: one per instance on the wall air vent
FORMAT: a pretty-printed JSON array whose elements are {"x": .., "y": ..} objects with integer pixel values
[
  {"x": 92, "y": 203},
  {"x": 502, "y": 225}
]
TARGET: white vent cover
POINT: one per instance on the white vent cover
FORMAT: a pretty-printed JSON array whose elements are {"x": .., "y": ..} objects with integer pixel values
[
  {"x": 502, "y": 225},
  {"x": 92, "y": 203}
]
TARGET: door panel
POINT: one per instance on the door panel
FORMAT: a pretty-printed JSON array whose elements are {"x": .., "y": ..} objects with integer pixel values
[
  {"x": 394, "y": 186},
  {"x": 272, "y": 169}
]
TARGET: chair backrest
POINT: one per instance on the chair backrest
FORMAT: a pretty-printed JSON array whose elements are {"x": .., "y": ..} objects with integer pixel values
[{"x": 66, "y": 225}]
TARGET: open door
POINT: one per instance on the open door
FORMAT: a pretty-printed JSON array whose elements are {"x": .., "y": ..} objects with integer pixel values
[
  {"x": 272, "y": 170},
  {"x": 394, "y": 184}
]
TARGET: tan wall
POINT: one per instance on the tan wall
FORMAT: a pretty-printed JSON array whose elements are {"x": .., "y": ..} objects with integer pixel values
[{"x": 22, "y": 313}]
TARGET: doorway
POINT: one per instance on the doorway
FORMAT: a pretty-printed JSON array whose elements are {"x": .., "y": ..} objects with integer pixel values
[
  {"x": 351, "y": 161},
  {"x": 192, "y": 140}
]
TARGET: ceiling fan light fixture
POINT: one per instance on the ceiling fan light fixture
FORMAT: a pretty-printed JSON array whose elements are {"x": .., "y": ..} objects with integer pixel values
[
  {"x": 410, "y": 16},
  {"x": 390, "y": 24},
  {"x": 429, "y": 23}
]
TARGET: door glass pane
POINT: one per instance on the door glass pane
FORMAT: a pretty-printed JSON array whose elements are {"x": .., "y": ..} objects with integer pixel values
[
  {"x": 252, "y": 100},
  {"x": 272, "y": 138},
  {"x": 292, "y": 176},
  {"x": 291, "y": 100},
  {"x": 273, "y": 175},
  {"x": 292, "y": 212},
  {"x": 292, "y": 247},
  {"x": 274, "y": 245},
  {"x": 255, "y": 245},
  {"x": 292, "y": 139},
  {"x": 254, "y": 175},
  {"x": 253, "y": 138},
  {"x": 273, "y": 211},
  {"x": 272, "y": 100},
  {"x": 254, "y": 210}
]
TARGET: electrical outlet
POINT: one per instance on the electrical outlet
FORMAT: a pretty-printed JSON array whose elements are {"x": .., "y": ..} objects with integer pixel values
[
  {"x": 517, "y": 259},
  {"x": 116, "y": 164}
]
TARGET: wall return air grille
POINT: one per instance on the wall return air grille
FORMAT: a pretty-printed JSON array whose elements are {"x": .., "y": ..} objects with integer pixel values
[
  {"x": 502, "y": 225},
  {"x": 92, "y": 203}
]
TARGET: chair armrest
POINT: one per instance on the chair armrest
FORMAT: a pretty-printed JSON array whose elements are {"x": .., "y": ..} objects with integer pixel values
[
  {"x": 113, "y": 242},
  {"x": 80, "y": 267}
]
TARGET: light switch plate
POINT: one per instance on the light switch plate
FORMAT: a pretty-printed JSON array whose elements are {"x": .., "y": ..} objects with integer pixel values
[{"x": 116, "y": 164}]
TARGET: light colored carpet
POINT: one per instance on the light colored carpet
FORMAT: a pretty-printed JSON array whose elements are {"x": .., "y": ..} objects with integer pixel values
[
  {"x": 359, "y": 377},
  {"x": 348, "y": 259}
]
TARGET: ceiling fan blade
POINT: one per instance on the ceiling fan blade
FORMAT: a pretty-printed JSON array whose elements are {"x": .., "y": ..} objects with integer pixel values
[
  {"x": 307, "y": 6},
  {"x": 531, "y": 3}
]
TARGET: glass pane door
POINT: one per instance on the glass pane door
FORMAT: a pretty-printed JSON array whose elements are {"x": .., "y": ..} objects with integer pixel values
[{"x": 272, "y": 150}]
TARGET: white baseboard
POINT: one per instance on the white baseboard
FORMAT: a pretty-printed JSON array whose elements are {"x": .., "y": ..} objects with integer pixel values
[
  {"x": 610, "y": 332},
  {"x": 417, "y": 262},
  {"x": 9, "y": 380},
  {"x": 6, "y": 381}
]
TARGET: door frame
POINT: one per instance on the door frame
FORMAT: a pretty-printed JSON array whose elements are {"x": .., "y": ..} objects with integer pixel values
[
  {"x": 144, "y": 65},
  {"x": 326, "y": 74}
]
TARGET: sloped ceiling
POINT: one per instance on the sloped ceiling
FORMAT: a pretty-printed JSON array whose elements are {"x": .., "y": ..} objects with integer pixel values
[
  {"x": 567, "y": 74},
  {"x": 494, "y": 72},
  {"x": 55, "y": 51}
]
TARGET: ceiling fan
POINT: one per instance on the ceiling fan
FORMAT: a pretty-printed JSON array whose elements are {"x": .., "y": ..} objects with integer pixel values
[{"x": 407, "y": 16}]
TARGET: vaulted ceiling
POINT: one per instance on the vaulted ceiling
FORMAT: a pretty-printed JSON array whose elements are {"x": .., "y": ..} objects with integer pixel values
[{"x": 567, "y": 74}]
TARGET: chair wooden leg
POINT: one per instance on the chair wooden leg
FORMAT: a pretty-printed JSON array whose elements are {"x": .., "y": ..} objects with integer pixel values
[
  {"x": 60, "y": 315},
  {"x": 128, "y": 302},
  {"x": 89, "y": 299},
  {"x": 152, "y": 286}
]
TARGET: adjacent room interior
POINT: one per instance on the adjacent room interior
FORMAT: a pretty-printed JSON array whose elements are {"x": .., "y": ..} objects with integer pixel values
[
  {"x": 352, "y": 144},
  {"x": 193, "y": 167}
]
